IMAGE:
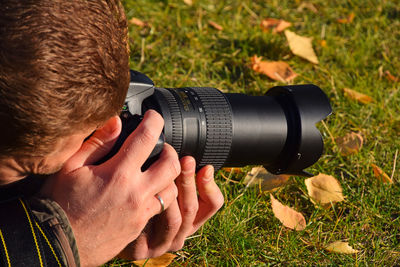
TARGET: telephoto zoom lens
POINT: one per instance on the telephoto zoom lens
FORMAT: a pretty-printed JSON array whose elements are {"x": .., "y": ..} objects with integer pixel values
[{"x": 276, "y": 130}]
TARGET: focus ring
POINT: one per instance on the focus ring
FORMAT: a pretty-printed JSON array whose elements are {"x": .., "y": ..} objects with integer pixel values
[
  {"x": 176, "y": 119},
  {"x": 219, "y": 126}
]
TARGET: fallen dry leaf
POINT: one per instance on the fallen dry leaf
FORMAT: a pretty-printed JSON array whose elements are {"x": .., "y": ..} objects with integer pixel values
[
  {"x": 283, "y": 25},
  {"x": 266, "y": 181},
  {"x": 301, "y": 46},
  {"x": 251, "y": 177},
  {"x": 233, "y": 170},
  {"x": 276, "y": 70},
  {"x": 288, "y": 216},
  {"x": 349, "y": 144},
  {"x": 323, "y": 43},
  {"x": 137, "y": 22},
  {"x": 307, "y": 5},
  {"x": 324, "y": 189},
  {"x": 188, "y": 2},
  {"x": 391, "y": 77},
  {"x": 354, "y": 95},
  {"x": 347, "y": 20},
  {"x": 381, "y": 175},
  {"x": 215, "y": 25},
  {"x": 276, "y": 25},
  {"x": 162, "y": 261},
  {"x": 340, "y": 247}
]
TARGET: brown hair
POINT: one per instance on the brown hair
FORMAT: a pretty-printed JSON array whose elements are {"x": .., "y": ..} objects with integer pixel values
[{"x": 63, "y": 67}]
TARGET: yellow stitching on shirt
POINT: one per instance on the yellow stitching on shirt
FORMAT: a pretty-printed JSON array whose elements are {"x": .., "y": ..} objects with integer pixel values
[
  {"x": 5, "y": 248},
  {"x": 33, "y": 232},
  {"x": 48, "y": 243}
]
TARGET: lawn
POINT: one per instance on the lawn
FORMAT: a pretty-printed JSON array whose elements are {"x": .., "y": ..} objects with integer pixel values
[{"x": 180, "y": 47}]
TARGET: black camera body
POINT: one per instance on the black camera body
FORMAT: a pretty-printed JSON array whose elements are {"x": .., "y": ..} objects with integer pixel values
[{"x": 276, "y": 130}]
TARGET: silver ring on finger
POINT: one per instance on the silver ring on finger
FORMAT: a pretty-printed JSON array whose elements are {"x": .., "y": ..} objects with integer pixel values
[{"x": 161, "y": 202}]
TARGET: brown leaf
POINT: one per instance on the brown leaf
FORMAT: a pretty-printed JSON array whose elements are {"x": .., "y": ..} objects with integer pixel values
[
  {"x": 354, "y": 95},
  {"x": 288, "y": 216},
  {"x": 381, "y": 175},
  {"x": 307, "y": 5},
  {"x": 162, "y": 261},
  {"x": 269, "y": 23},
  {"x": 215, "y": 25},
  {"x": 340, "y": 247},
  {"x": 349, "y": 144},
  {"x": 390, "y": 77},
  {"x": 267, "y": 181},
  {"x": 137, "y": 22},
  {"x": 347, "y": 20},
  {"x": 276, "y": 25},
  {"x": 301, "y": 46},
  {"x": 324, "y": 189},
  {"x": 276, "y": 70}
]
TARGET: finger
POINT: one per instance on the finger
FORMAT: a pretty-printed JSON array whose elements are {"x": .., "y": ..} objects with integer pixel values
[
  {"x": 165, "y": 198},
  {"x": 136, "y": 250},
  {"x": 165, "y": 228},
  {"x": 163, "y": 171},
  {"x": 187, "y": 199},
  {"x": 210, "y": 196},
  {"x": 138, "y": 146},
  {"x": 97, "y": 146},
  {"x": 139, "y": 248}
]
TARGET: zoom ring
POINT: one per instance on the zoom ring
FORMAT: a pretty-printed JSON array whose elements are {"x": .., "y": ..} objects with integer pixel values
[
  {"x": 219, "y": 126},
  {"x": 176, "y": 120}
]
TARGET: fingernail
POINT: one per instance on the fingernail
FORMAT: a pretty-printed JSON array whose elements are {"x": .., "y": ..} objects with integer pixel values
[
  {"x": 110, "y": 126},
  {"x": 209, "y": 175},
  {"x": 189, "y": 165}
]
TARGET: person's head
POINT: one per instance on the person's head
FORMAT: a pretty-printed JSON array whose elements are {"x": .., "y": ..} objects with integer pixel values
[{"x": 64, "y": 70}]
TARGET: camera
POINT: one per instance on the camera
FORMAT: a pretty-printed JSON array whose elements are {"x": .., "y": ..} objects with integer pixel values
[{"x": 276, "y": 130}]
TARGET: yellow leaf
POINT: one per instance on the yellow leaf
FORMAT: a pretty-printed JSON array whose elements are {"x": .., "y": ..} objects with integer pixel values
[
  {"x": 381, "y": 175},
  {"x": 349, "y": 144},
  {"x": 340, "y": 247},
  {"x": 162, "y": 261},
  {"x": 354, "y": 95},
  {"x": 288, "y": 216},
  {"x": 276, "y": 70},
  {"x": 188, "y": 2},
  {"x": 215, "y": 25},
  {"x": 301, "y": 46},
  {"x": 324, "y": 189},
  {"x": 276, "y": 25},
  {"x": 267, "y": 181}
]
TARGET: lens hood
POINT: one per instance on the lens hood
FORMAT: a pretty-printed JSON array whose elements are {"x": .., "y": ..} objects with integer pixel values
[{"x": 304, "y": 106}]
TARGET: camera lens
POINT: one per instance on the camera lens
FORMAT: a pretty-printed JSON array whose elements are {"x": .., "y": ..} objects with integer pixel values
[
  {"x": 276, "y": 130},
  {"x": 198, "y": 122}
]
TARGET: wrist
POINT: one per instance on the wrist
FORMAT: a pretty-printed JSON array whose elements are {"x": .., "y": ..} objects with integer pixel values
[{"x": 51, "y": 215}]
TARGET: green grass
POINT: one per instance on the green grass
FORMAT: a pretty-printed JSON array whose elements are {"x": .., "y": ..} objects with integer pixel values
[{"x": 182, "y": 49}]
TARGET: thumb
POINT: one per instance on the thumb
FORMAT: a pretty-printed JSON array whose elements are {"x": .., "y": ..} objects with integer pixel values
[{"x": 97, "y": 146}]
